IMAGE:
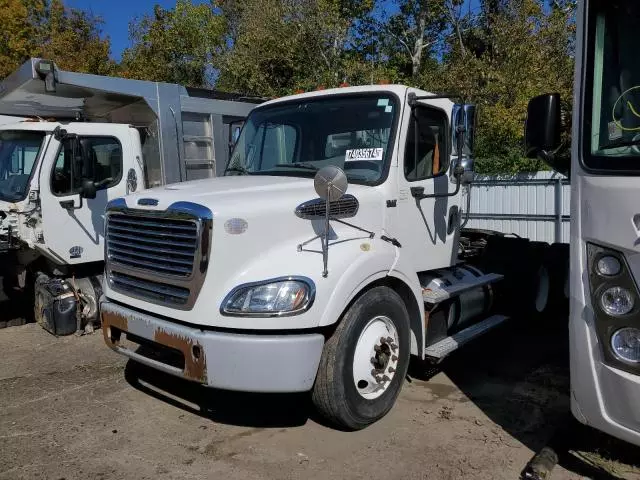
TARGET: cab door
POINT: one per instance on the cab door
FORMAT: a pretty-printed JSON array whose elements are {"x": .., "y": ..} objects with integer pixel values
[
  {"x": 427, "y": 225},
  {"x": 74, "y": 226}
]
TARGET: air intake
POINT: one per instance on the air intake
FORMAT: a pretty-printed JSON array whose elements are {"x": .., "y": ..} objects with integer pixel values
[{"x": 345, "y": 207}]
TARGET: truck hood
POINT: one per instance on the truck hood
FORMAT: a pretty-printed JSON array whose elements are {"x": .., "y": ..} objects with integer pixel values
[{"x": 241, "y": 194}]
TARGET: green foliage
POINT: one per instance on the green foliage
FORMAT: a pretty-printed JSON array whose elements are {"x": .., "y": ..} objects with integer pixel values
[
  {"x": 40, "y": 28},
  {"x": 175, "y": 45}
]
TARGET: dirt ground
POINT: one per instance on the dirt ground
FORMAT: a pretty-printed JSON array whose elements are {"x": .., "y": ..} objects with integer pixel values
[{"x": 72, "y": 409}]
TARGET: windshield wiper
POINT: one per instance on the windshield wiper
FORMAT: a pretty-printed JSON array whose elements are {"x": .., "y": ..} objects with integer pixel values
[
  {"x": 241, "y": 170},
  {"x": 624, "y": 143},
  {"x": 304, "y": 166}
]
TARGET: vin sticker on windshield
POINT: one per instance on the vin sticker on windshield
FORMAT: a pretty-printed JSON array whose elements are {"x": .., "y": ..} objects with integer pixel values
[{"x": 363, "y": 154}]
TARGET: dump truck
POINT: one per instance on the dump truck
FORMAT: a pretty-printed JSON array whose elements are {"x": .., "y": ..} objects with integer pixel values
[
  {"x": 603, "y": 163},
  {"x": 330, "y": 252},
  {"x": 84, "y": 140}
]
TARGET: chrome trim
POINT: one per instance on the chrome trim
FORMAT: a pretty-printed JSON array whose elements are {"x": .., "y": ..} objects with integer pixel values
[
  {"x": 305, "y": 307},
  {"x": 345, "y": 207},
  {"x": 146, "y": 275}
]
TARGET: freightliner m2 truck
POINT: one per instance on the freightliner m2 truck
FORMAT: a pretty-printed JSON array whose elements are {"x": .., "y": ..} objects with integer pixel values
[
  {"x": 604, "y": 167},
  {"x": 329, "y": 253},
  {"x": 89, "y": 139}
]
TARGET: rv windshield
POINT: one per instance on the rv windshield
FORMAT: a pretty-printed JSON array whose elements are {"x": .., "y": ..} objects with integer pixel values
[
  {"x": 353, "y": 132},
  {"x": 18, "y": 152},
  {"x": 612, "y": 100}
]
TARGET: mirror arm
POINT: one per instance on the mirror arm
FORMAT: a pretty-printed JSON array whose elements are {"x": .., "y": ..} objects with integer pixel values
[{"x": 71, "y": 204}]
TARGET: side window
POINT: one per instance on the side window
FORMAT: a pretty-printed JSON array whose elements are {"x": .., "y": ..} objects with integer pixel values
[
  {"x": 431, "y": 155},
  {"x": 95, "y": 158},
  {"x": 278, "y": 144}
]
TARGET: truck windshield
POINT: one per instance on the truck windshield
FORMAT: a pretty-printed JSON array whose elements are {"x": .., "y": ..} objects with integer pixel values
[
  {"x": 353, "y": 132},
  {"x": 612, "y": 100},
  {"x": 18, "y": 152}
]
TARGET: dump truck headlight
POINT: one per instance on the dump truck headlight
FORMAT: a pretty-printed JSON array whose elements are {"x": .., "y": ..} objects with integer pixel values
[{"x": 616, "y": 301}]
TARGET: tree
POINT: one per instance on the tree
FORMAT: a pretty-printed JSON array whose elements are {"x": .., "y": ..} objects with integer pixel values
[
  {"x": 528, "y": 53},
  {"x": 73, "y": 38},
  {"x": 38, "y": 28},
  {"x": 178, "y": 45},
  {"x": 278, "y": 46}
]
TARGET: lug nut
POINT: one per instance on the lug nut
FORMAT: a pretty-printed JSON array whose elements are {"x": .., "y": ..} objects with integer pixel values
[
  {"x": 392, "y": 370},
  {"x": 394, "y": 358},
  {"x": 390, "y": 340},
  {"x": 373, "y": 360},
  {"x": 377, "y": 348},
  {"x": 383, "y": 340},
  {"x": 385, "y": 378}
]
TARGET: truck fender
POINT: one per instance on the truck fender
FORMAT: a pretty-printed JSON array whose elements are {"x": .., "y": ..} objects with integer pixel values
[{"x": 362, "y": 273}]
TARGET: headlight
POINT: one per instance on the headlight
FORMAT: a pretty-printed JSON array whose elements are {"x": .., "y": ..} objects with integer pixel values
[
  {"x": 608, "y": 266},
  {"x": 278, "y": 297},
  {"x": 616, "y": 301},
  {"x": 626, "y": 344}
]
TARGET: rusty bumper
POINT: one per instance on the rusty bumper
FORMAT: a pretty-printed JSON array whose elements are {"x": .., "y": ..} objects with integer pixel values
[{"x": 232, "y": 361}]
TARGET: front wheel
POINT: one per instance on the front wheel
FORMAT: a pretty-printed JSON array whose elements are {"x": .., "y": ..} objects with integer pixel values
[{"x": 365, "y": 361}]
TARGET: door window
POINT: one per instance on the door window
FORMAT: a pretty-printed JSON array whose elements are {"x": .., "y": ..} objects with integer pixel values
[
  {"x": 95, "y": 158},
  {"x": 427, "y": 130}
]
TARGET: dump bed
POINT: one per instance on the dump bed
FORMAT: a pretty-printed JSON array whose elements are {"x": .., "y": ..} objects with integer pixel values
[{"x": 185, "y": 132}]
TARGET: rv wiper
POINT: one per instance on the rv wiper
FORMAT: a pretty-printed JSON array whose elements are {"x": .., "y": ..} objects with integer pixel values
[
  {"x": 624, "y": 143},
  {"x": 297, "y": 165}
]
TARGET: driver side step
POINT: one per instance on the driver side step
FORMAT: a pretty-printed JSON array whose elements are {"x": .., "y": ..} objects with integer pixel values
[{"x": 444, "y": 347}]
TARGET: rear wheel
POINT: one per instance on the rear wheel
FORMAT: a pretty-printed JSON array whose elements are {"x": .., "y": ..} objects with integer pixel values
[{"x": 365, "y": 361}]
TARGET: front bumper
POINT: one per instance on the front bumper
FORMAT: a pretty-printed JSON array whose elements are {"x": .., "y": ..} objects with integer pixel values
[{"x": 230, "y": 361}]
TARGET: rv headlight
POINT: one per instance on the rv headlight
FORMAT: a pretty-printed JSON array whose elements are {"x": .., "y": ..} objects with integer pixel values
[
  {"x": 616, "y": 301},
  {"x": 609, "y": 266},
  {"x": 273, "y": 298},
  {"x": 626, "y": 344}
]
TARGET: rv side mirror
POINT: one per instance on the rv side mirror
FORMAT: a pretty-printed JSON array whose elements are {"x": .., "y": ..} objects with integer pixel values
[
  {"x": 88, "y": 189},
  {"x": 542, "y": 131}
]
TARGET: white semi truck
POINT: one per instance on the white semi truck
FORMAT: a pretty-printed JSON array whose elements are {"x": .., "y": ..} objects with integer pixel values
[
  {"x": 604, "y": 165},
  {"x": 89, "y": 139},
  {"x": 329, "y": 253}
]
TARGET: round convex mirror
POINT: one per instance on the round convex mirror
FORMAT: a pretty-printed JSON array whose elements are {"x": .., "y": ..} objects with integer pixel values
[{"x": 330, "y": 183}]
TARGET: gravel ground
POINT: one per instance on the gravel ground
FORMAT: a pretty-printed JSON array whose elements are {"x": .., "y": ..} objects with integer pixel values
[{"x": 72, "y": 409}]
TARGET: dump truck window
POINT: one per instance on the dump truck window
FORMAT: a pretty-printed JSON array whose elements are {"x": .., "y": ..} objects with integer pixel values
[{"x": 98, "y": 159}]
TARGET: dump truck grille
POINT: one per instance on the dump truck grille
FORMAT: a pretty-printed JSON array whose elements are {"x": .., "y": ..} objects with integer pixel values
[{"x": 158, "y": 256}]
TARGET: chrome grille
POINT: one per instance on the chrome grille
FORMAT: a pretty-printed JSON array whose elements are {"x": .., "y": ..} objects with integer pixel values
[
  {"x": 149, "y": 289},
  {"x": 158, "y": 256},
  {"x": 159, "y": 245}
]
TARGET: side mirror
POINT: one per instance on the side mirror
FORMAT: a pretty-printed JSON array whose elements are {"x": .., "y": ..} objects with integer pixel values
[
  {"x": 542, "y": 131},
  {"x": 463, "y": 170},
  {"x": 88, "y": 189},
  {"x": 465, "y": 116}
]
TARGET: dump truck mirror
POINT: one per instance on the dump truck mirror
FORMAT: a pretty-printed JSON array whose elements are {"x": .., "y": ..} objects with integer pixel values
[{"x": 88, "y": 189}]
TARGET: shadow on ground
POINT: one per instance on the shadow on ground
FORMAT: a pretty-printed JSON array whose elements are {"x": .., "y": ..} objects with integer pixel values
[
  {"x": 232, "y": 408},
  {"x": 517, "y": 375}
]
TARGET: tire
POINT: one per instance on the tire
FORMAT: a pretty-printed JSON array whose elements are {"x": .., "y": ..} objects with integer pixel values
[
  {"x": 335, "y": 393},
  {"x": 539, "y": 281},
  {"x": 521, "y": 262},
  {"x": 558, "y": 264}
]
